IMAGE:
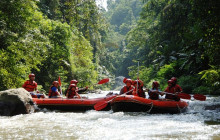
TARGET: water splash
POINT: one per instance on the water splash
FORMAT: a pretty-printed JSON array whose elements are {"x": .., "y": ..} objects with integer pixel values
[{"x": 108, "y": 125}]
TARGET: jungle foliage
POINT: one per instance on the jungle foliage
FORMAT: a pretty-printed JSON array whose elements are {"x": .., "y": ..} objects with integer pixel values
[
  {"x": 172, "y": 38},
  {"x": 50, "y": 38},
  {"x": 75, "y": 39}
]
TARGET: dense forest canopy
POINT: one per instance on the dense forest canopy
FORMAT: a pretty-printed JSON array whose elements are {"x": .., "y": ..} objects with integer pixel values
[
  {"x": 50, "y": 38},
  {"x": 75, "y": 39},
  {"x": 169, "y": 38}
]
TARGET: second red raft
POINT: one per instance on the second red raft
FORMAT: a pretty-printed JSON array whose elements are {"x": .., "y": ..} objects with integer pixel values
[{"x": 130, "y": 103}]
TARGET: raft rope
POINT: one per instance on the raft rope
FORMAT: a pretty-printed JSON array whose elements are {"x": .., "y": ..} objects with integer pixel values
[
  {"x": 179, "y": 108},
  {"x": 152, "y": 105},
  {"x": 136, "y": 101}
]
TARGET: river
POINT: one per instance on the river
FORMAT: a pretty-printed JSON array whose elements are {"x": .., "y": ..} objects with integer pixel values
[{"x": 196, "y": 123}]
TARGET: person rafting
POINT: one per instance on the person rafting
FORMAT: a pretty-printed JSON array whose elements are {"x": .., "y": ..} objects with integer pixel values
[
  {"x": 154, "y": 92},
  {"x": 170, "y": 91},
  {"x": 177, "y": 88},
  {"x": 31, "y": 86},
  {"x": 53, "y": 92},
  {"x": 138, "y": 91},
  {"x": 79, "y": 90},
  {"x": 128, "y": 87},
  {"x": 72, "y": 92}
]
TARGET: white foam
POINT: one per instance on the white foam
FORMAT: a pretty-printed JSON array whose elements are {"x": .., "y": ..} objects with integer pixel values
[{"x": 108, "y": 125}]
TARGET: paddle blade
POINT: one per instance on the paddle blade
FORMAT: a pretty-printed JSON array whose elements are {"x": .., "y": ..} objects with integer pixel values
[
  {"x": 184, "y": 96},
  {"x": 59, "y": 81},
  {"x": 199, "y": 97},
  {"x": 103, "y": 81},
  {"x": 100, "y": 105}
]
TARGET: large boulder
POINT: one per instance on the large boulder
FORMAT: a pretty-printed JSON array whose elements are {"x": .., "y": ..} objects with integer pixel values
[{"x": 15, "y": 101}]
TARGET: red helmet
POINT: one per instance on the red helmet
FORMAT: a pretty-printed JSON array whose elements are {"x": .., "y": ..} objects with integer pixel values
[
  {"x": 170, "y": 82},
  {"x": 174, "y": 79},
  {"x": 55, "y": 82},
  {"x": 124, "y": 80},
  {"x": 73, "y": 82},
  {"x": 128, "y": 80},
  {"x": 72, "y": 85},
  {"x": 31, "y": 75},
  {"x": 156, "y": 84}
]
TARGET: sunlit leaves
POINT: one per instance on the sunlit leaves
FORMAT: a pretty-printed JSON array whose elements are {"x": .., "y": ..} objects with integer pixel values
[
  {"x": 32, "y": 43},
  {"x": 185, "y": 33}
]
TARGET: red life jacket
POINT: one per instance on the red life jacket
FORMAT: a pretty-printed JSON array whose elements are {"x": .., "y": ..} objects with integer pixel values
[
  {"x": 126, "y": 89},
  {"x": 171, "y": 96},
  {"x": 140, "y": 92},
  {"x": 170, "y": 89},
  {"x": 71, "y": 94},
  {"x": 30, "y": 86},
  {"x": 153, "y": 95},
  {"x": 177, "y": 88},
  {"x": 68, "y": 90},
  {"x": 52, "y": 93}
]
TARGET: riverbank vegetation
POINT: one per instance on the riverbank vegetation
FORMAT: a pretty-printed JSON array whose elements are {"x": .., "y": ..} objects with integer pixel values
[
  {"x": 77, "y": 40},
  {"x": 49, "y": 38},
  {"x": 169, "y": 38}
]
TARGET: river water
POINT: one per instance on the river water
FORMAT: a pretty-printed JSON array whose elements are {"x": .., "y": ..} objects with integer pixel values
[{"x": 196, "y": 123}]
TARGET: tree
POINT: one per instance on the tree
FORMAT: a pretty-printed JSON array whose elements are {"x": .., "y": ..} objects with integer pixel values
[{"x": 22, "y": 44}]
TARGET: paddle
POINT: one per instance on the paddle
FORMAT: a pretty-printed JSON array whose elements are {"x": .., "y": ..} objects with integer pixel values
[
  {"x": 103, "y": 81},
  {"x": 180, "y": 95},
  {"x": 187, "y": 96},
  {"x": 60, "y": 84},
  {"x": 137, "y": 78},
  {"x": 101, "y": 105},
  {"x": 199, "y": 97},
  {"x": 184, "y": 96}
]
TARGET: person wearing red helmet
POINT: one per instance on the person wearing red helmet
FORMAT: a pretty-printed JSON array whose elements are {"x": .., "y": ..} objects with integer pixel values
[
  {"x": 73, "y": 82},
  {"x": 154, "y": 92},
  {"x": 128, "y": 87},
  {"x": 53, "y": 92},
  {"x": 171, "y": 89},
  {"x": 138, "y": 91},
  {"x": 177, "y": 88},
  {"x": 31, "y": 86},
  {"x": 72, "y": 92},
  {"x": 79, "y": 90}
]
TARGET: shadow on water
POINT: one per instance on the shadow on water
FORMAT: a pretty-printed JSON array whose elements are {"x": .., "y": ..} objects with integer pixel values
[{"x": 211, "y": 122}]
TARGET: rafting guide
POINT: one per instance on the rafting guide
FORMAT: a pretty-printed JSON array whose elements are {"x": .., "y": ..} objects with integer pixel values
[{"x": 31, "y": 86}]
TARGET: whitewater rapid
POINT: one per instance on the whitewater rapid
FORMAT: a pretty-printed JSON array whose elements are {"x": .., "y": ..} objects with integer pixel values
[{"x": 94, "y": 125}]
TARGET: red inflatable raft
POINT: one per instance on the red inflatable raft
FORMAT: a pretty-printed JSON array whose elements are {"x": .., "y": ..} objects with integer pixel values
[
  {"x": 64, "y": 104},
  {"x": 130, "y": 103}
]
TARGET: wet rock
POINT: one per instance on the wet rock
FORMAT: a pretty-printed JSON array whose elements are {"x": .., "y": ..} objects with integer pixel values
[{"x": 15, "y": 101}]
